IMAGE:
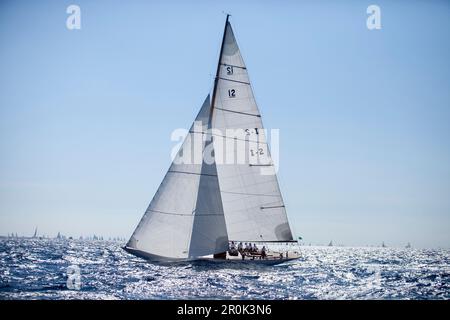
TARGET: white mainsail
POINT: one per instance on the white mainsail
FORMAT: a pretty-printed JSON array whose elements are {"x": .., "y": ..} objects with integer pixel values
[
  {"x": 185, "y": 218},
  {"x": 252, "y": 202}
]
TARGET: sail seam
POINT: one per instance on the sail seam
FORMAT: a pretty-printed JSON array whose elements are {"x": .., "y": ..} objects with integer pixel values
[
  {"x": 186, "y": 214},
  {"x": 232, "y": 65},
  {"x": 234, "y": 80},
  {"x": 272, "y": 207},
  {"x": 195, "y": 173},
  {"x": 240, "y": 112},
  {"x": 234, "y": 138},
  {"x": 251, "y": 194},
  {"x": 264, "y": 241}
]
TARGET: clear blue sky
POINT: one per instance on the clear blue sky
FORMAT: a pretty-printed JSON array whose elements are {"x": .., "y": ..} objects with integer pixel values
[{"x": 364, "y": 116}]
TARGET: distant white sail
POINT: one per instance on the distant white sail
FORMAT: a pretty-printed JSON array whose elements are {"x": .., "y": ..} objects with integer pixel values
[
  {"x": 252, "y": 202},
  {"x": 185, "y": 218}
]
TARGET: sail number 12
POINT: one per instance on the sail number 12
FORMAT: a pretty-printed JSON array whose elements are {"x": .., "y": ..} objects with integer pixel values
[{"x": 232, "y": 93}]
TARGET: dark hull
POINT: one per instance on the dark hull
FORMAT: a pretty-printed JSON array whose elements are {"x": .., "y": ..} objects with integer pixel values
[{"x": 236, "y": 260}]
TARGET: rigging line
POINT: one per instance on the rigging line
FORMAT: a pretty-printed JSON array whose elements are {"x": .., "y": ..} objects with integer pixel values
[
  {"x": 251, "y": 194},
  {"x": 252, "y": 208},
  {"x": 186, "y": 214},
  {"x": 199, "y": 174},
  {"x": 244, "y": 113},
  {"x": 227, "y": 137},
  {"x": 273, "y": 207},
  {"x": 232, "y": 65},
  {"x": 266, "y": 205},
  {"x": 245, "y": 199},
  {"x": 234, "y": 80},
  {"x": 260, "y": 165}
]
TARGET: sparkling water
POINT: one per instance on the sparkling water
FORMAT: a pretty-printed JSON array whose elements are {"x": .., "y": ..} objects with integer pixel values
[{"x": 77, "y": 269}]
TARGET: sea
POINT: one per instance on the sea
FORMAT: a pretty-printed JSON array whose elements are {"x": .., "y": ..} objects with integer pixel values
[{"x": 77, "y": 269}]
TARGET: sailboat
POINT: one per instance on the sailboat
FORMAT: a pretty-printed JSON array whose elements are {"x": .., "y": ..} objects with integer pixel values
[
  {"x": 35, "y": 233},
  {"x": 202, "y": 208}
]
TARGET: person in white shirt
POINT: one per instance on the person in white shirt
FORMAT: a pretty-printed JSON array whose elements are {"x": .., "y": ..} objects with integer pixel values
[{"x": 232, "y": 249}]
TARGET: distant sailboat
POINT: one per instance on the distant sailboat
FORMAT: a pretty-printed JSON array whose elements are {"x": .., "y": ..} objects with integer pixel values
[
  {"x": 383, "y": 245},
  {"x": 408, "y": 246},
  {"x": 331, "y": 243},
  {"x": 35, "y": 233},
  {"x": 199, "y": 208}
]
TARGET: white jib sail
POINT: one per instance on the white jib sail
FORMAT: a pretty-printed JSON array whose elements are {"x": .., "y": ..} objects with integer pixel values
[
  {"x": 252, "y": 202},
  {"x": 185, "y": 217}
]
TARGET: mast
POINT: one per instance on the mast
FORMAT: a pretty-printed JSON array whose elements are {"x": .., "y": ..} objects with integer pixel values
[
  {"x": 216, "y": 79},
  {"x": 221, "y": 255}
]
